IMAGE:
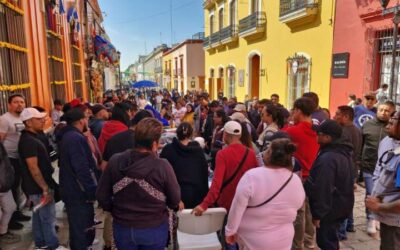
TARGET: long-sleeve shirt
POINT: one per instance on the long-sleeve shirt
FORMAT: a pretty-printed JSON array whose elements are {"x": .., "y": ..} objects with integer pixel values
[{"x": 227, "y": 161}]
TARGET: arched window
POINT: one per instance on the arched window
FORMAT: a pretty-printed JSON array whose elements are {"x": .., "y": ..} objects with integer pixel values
[
  {"x": 231, "y": 73},
  {"x": 221, "y": 19},
  {"x": 298, "y": 77},
  {"x": 211, "y": 24},
  {"x": 254, "y": 6},
  {"x": 232, "y": 12}
]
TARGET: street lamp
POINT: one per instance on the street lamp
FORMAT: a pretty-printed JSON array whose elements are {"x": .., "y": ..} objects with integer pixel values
[{"x": 396, "y": 21}]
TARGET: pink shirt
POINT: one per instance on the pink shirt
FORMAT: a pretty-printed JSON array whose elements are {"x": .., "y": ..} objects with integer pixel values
[{"x": 271, "y": 225}]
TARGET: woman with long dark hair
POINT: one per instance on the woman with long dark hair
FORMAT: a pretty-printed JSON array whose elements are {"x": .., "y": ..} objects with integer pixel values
[
  {"x": 266, "y": 202},
  {"x": 273, "y": 119},
  {"x": 189, "y": 164}
]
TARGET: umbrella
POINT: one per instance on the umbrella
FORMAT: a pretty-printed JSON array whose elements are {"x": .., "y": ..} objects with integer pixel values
[{"x": 145, "y": 84}]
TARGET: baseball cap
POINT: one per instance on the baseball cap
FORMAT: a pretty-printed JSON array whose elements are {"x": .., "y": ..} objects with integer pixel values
[
  {"x": 29, "y": 113},
  {"x": 97, "y": 108},
  {"x": 239, "y": 116},
  {"x": 370, "y": 94},
  {"x": 74, "y": 115},
  {"x": 233, "y": 128},
  {"x": 331, "y": 128},
  {"x": 240, "y": 107}
]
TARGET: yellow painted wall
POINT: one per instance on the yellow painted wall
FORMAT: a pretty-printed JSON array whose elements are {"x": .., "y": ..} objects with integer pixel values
[
  {"x": 279, "y": 42},
  {"x": 167, "y": 82}
]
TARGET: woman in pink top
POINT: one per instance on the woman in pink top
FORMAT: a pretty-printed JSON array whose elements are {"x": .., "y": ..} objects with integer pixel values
[{"x": 257, "y": 225}]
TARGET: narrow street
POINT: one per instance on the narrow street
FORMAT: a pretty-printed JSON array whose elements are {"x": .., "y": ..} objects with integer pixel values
[{"x": 357, "y": 241}]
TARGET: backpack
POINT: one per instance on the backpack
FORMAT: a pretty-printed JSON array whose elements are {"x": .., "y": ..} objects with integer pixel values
[{"x": 6, "y": 171}]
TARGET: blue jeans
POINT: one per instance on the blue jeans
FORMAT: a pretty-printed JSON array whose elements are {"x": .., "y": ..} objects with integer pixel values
[
  {"x": 347, "y": 223},
  {"x": 128, "y": 238},
  {"x": 43, "y": 224},
  {"x": 369, "y": 184},
  {"x": 81, "y": 224}
]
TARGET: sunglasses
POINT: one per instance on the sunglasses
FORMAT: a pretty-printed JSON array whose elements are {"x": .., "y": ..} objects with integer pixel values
[{"x": 370, "y": 98}]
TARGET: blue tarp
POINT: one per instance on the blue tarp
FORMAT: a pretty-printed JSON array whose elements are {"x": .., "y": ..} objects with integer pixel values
[{"x": 144, "y": 84}]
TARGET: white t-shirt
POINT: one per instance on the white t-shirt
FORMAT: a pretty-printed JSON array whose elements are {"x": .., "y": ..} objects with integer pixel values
[
  {"x": 12, "y": 127},
  {"x": 159, "y": 99}
]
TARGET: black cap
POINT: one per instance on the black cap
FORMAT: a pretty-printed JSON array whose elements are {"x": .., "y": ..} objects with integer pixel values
[
  {"x": 74, "y": 115},
  {"x": 97, "y": 108},
  {"x": 331, "y": 128}
]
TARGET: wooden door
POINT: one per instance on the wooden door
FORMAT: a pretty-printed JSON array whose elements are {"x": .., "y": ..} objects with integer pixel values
[{"x": 255, "y": 76}]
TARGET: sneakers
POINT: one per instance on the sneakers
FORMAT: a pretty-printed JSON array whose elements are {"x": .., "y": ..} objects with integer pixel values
[
  {"x": 9, "y": 238},
  {"x": 371, "y": 227},
  {"x": 61, "y": 248},
  {"x": 13, "y": 225},
  {"x": 19, "y": 216}
]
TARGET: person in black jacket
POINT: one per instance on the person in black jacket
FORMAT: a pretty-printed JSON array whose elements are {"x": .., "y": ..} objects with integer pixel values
[
  {"x": 330, "y": 184},
  {"x": 190, "y": 166}
]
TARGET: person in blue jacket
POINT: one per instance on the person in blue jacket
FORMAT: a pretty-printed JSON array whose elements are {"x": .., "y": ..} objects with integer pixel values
[
  {"x": 365, "y": 111},
  {"x": 78, "y": 182}
]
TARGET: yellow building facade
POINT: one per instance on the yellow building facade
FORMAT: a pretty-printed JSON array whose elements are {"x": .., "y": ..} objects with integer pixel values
[{"x": 261, "y": 47}]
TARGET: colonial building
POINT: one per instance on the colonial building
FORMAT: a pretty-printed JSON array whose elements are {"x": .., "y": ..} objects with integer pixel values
[
  {"x": 362, "y": 47},
  {"x": 183, "y": 66},
  {"x": 153, "y": 64},
  {"x": 260, "y": 47}
]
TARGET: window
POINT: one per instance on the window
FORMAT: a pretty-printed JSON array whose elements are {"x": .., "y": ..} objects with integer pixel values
[
  {"x": 221, "y": 19},
  {"x": 211, "y": 24},
  {"x": 231, "y": 71},
  {"x": 232, "y": 10},
  {"x": 298, "y": 77},
  {"x": 254, "y": 6}
]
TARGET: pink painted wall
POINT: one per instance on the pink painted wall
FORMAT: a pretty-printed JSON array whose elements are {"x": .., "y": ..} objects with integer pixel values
[{"x": 356, "y": 23}]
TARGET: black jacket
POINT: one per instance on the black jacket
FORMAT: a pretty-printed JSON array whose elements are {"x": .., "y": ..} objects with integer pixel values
[
  {"x": 330, "y": 184},
  {"x": 191, "y": 170},
  {"x": 373, "y": 131},
  {"x": 78, "y": 181}
]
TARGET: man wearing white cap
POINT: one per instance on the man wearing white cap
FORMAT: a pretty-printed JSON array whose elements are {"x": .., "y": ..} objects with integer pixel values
[
  {"x": 37, "y": 181},
  {"x": 231, "y": 163}
]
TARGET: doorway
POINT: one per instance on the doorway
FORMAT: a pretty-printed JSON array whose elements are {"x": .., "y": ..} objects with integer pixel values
[{"x": 254, "y": 87}]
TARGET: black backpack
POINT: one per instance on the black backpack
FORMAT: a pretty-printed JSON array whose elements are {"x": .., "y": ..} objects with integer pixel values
[{"x": 6, "y": 171}]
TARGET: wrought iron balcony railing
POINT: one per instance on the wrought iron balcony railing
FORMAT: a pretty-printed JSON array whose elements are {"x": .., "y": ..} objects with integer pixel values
[
  {"x": 290, "y": 6},
  {"x": 214, "y": 38},
  {"x": 228, "y": 33},
  {"x": 253, "y": 23},
  {"x": 206, "y": 42}
]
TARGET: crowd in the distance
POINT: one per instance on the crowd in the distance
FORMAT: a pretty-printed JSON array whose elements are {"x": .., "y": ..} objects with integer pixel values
[{"x": 285, "y": 177}]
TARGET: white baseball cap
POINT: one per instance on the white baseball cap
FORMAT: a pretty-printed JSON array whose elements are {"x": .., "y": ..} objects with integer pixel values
[
  {"x": 240, "y": 107},
  {"x": 233, "y": 128},
  {"x": 29, "y": 113}
]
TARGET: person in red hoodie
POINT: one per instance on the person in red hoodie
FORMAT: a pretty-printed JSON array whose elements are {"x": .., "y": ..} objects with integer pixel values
[
  {"x": 305, "y": 138},
  {"x": 119, "y": 122},
  {"x": 231, "y": 164}
]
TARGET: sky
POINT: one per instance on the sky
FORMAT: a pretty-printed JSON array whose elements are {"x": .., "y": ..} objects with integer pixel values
[{"x": 137, "y": 26}]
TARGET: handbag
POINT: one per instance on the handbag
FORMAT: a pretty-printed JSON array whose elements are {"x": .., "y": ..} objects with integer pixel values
[{"x": 274, "y": 195}]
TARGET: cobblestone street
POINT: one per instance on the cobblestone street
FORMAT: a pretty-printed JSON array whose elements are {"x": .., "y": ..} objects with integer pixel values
[{"x": 358, "y": 240}]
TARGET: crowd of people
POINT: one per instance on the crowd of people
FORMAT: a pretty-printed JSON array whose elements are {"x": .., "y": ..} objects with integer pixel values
[{"x": 285, "y": 177}]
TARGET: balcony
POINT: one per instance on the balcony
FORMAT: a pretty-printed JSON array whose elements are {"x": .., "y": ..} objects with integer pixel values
[
  {"x": 208, "y": 4},
  {"x": 206, "y": 42},
  {"x": 253, "y": 24},
  {"x": 214, "y": 39},
  {"x": 298, "y": 12},
  {"x": 229, "y": 34}
]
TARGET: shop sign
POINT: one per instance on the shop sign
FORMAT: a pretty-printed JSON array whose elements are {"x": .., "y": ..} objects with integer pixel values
[{"x": 340, "y": 65}]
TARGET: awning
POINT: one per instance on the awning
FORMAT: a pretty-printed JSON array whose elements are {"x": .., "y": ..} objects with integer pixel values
[{"x": 145, "y": 84}]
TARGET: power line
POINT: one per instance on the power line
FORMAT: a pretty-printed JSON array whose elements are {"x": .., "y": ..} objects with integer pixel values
[{"x": 158, "y": 13}]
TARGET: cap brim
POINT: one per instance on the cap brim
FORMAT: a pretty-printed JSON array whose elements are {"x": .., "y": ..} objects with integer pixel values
[{"x": 40, "y": 115}]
